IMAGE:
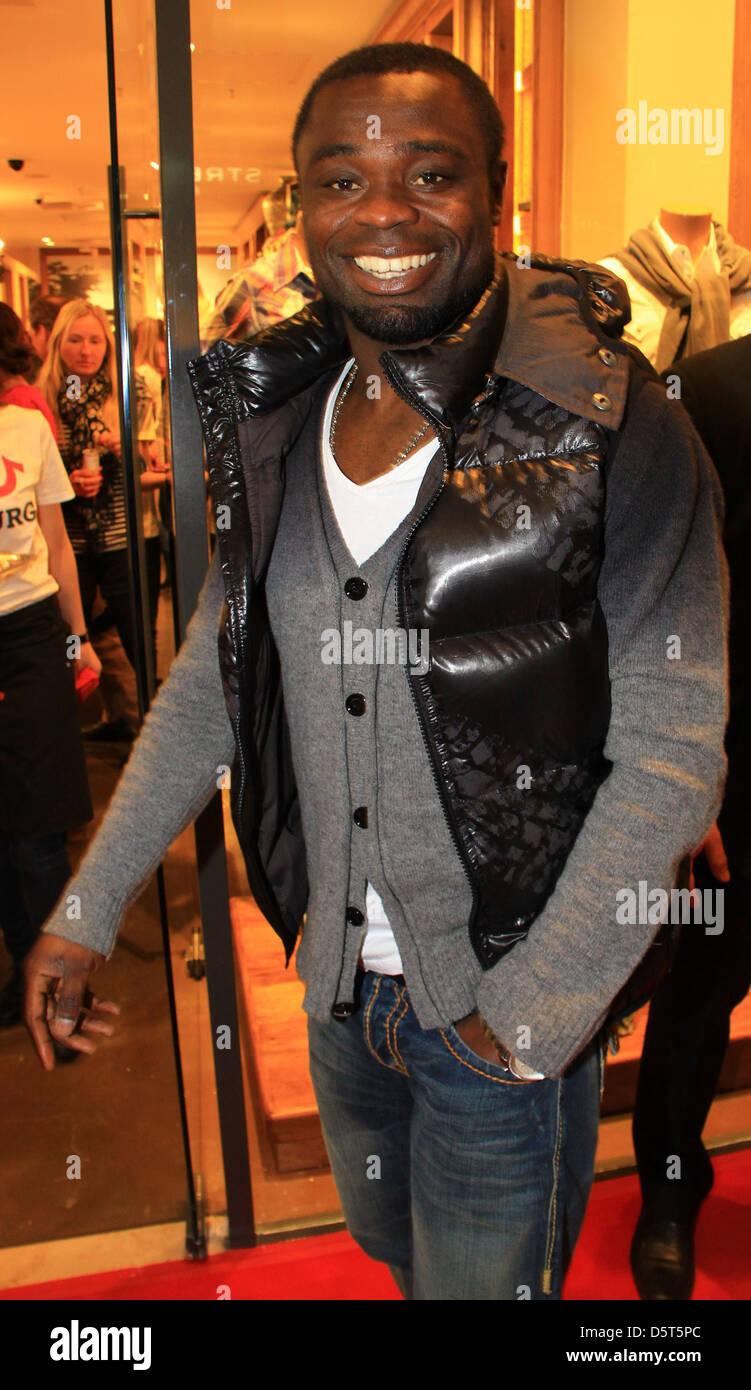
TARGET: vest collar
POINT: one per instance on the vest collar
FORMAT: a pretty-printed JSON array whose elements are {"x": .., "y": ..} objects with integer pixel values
[{"x": 550, "y": 326}]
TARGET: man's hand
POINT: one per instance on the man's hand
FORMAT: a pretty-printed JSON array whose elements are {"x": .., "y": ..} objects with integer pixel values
[
  {"x": 58, "y": 1004},
  {"x": 714, "y": 852},
  {"x": 472, "y": 1033}
]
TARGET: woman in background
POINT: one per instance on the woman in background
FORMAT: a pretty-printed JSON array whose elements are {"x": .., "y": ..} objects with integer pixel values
[{"x": 78, "y": 380}]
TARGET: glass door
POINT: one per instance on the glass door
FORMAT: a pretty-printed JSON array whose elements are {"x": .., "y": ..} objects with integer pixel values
[
  {"x": 100, "y": 1144},
  {"x": 151, "y": 178}
]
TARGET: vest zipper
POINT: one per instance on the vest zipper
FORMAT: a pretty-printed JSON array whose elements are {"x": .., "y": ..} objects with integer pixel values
[
  {"x": 266, "y": 901},
  {"x": 412, "y": 681}
]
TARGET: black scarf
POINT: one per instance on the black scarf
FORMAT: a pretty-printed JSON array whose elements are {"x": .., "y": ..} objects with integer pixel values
[{"x": 83, "y": 419}]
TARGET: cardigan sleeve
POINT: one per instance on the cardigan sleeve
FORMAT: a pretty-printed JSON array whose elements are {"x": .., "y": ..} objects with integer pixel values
[
  {"x": 175, "y": 767},
  {"x": 663, "y": 590}
]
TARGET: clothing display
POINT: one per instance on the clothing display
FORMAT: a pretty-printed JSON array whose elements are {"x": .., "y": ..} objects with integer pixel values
[
  {"x": 678, "y": 308},
  {"x": 276, "y": 285}
]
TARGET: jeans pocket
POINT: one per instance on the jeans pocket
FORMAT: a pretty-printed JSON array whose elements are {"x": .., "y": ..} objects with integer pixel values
[{"x": 495, "y": 1071}]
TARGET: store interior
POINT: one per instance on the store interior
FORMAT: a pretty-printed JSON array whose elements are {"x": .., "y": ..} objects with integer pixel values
[{"x": 561, "y": 71}]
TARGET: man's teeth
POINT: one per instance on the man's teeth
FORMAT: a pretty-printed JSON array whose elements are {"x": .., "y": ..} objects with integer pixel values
[{"x": 388, "y": 267}]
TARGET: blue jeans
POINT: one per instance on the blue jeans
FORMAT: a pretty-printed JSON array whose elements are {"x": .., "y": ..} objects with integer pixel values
[{"x": 467, "y": 1183}]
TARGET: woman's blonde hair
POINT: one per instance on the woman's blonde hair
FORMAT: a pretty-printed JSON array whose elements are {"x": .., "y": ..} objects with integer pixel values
[
  {"x": 149, "y": 334},
  {"x": 54, "y": 369}
]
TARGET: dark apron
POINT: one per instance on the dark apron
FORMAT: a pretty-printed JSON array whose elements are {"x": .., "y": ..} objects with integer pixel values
[{"x": 43, "y": 782}]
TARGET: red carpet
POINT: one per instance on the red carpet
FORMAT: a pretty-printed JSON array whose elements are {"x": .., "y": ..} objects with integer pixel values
[
  {"x": 600, "y": 1268},
  {"x": 331, "y": 1267}
]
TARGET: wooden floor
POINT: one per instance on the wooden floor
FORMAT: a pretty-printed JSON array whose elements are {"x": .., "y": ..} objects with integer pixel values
[
  {"x": 276, "y": 1046},
  {"x": 623, "y": 1069}
]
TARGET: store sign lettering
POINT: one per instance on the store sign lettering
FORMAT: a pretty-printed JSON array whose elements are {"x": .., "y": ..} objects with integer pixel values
[{"x": 229, "y": 173}]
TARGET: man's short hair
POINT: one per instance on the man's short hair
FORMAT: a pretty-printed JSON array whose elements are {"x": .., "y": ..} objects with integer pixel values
[{"x": 379, "y": 58}]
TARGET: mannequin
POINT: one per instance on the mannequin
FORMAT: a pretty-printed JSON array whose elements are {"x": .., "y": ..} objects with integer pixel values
[
  {"x": 278, "y": 283},
  {"x": 299, "y": 241},
  {"x": 691, "y": 227},
  {"x": 683, "y": 304}
]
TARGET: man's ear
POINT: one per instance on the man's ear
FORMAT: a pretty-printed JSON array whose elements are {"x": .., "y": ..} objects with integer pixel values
[{"x": 497, "y": 185}]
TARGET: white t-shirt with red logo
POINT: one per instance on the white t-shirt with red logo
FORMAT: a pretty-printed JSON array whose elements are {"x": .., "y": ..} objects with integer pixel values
[{"x": 32, "y": 474}]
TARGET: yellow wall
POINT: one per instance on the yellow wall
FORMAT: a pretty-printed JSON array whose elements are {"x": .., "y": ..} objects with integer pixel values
[
  {"x": 669, "y": 53},
  {"x": 594, "y": 164}
]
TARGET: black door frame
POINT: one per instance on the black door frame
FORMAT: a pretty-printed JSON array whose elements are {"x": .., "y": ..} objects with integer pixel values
[{"x": 175, "y": 123}]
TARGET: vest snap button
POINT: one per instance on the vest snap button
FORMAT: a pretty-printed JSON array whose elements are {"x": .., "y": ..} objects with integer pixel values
[
  {"x": 355, "y": 917},
  {"x": 343, "y": 1009},
  {"x": 602, "y": 402},
  {"x": 355, "y": 704},
  {"x": 356, "y": 588}
]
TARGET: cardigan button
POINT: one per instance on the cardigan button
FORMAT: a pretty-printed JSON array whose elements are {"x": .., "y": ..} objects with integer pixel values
[
  {"x": 360, "y": 817},
  {"x": 355, "y": 704},
  {"x": 356, "y": 588},
  {"x": 606, "y": 356},
  {"x": 355, "y": 917},
  {"x": 602, "y": 402}
]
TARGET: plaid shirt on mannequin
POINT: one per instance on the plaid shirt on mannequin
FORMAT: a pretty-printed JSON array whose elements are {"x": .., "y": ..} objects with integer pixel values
[{"x": 276, "y": 285}]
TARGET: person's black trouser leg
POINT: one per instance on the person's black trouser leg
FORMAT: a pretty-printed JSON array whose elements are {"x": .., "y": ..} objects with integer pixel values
[
  {"x": 85, "y": 564},
  {"x": 684, "y": 1047},
  {"x": 34, "y": 869},
  {"x": 113, "y": 577}
]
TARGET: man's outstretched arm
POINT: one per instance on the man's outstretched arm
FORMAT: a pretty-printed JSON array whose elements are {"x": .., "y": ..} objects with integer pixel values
[
  {"x": 172, "y": 772},
  {"x": 663, "y": 590}
]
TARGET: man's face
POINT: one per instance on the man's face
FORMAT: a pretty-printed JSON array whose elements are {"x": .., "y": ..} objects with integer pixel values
[{"x": 397, "y": 203}]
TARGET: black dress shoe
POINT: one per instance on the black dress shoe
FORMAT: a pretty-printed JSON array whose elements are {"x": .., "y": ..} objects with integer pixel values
[{"x": 662, "y": 1257}]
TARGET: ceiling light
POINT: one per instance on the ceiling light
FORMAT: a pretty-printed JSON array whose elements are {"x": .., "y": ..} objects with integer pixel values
[
  {"x": 153, "y": 164},
  {"x": 47, "y": 241}
]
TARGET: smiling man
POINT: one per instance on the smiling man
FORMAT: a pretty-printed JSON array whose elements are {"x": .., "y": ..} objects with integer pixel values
[{"x": 455, "y": 444}]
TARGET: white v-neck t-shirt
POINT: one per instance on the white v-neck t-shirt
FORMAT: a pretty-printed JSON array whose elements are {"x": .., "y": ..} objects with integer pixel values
[{"x": 367, "y": 514}]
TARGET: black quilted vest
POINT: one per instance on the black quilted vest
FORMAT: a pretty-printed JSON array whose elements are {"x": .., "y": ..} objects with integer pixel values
[{"x": 502, "y": 571}]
